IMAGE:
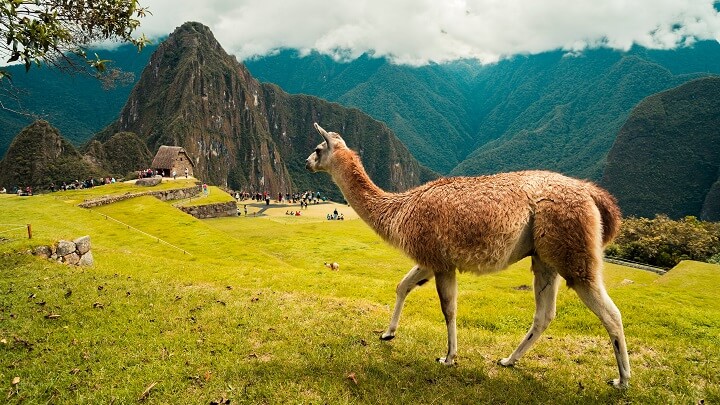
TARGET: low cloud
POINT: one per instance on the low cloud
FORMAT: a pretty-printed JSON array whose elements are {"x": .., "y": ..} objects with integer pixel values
[{"x": 422, "y": 31}]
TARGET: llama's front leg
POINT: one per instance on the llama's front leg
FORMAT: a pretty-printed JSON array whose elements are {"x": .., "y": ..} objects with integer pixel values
[
  {"x": 417, "y": 276},
  {"x": 446, "y": 284},
  {"x": 545, "y": 284}
]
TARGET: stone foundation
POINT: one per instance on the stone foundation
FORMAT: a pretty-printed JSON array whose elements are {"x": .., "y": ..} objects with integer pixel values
[
  {"x": 226, "y": 209},
  {"x": 75, "y": 253}
]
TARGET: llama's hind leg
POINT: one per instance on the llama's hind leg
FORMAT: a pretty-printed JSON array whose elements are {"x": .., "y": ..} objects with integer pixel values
[
  {"x": 545, "y": 285},
  {"x": 599, "y": 302},
  {"x": 417, "y": 276},
  {"x": 446, "y": 284}
]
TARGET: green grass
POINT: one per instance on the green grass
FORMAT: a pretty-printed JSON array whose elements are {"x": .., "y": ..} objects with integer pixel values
[
  {"x": 215, "y": 195},
  {"x": 249, "y": 313}
]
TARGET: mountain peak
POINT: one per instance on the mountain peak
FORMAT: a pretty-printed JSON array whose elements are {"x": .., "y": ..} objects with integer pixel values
[
  {"x": 200, "y": 34},
  {"x": 239, "y": 133}
]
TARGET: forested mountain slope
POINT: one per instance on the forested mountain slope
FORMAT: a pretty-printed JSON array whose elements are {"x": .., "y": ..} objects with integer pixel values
[
  {"x": 666, "y": 158},
  {"x": 553, "y": 110}
]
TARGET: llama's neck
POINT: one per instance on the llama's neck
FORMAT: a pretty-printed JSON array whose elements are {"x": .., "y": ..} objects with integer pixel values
[{"x": 366, "y": 198}]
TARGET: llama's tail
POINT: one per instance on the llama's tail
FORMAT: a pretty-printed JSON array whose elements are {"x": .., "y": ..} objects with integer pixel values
[{"x": 609, "y": 213}]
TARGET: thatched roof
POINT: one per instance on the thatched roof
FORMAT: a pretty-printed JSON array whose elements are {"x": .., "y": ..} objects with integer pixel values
[{"x": 166, "y": 155}]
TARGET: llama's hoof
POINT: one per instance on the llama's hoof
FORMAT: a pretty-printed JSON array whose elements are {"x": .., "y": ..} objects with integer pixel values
[
  {"x": 506, "y": 362},
  {"x": 387, "y": 336},
  {"x": 444, "y": 361},
  {"x": 621, "y": 385}
]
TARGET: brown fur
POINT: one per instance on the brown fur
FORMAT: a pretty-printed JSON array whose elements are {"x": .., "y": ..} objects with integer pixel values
[{"x": 483, "y": 224}]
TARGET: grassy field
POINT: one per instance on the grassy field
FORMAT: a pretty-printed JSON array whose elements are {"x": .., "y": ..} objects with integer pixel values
[{"x": 242, "y": 308}]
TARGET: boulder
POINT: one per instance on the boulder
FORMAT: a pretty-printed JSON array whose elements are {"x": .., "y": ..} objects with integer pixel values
[
  {"x": 72, "y": 259},
  {"x": 82, "y": 244},
  {"x": 65, "y": 247},
  {"x": 87, "y": 260},
  {"x": 149, "y": 181},
  {"x": 43, "y": 251}
]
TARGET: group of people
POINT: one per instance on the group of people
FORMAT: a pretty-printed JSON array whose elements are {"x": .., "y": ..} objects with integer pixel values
[
  {"x": 335, "y": 216},
  {"x": 304, "y": 199},
  {"x": 87, "y": 183},
  {"x": 18, "y": 190},
  {"x": 73, "y": 185}
]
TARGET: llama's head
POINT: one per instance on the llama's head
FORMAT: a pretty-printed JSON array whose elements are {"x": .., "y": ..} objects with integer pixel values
[{"x": 320, "y": 159}]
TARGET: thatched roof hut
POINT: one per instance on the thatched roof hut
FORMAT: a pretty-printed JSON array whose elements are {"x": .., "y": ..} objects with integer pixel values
[{"x": 171, "y": 159}]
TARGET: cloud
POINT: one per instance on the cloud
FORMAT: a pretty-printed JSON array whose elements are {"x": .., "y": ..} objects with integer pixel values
[{"x": 422, "y": 31}]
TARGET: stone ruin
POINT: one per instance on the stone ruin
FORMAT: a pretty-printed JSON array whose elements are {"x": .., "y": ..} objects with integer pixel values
[
  {"x": 149, "y": 181},
  {"x": 75, "y": 253}
]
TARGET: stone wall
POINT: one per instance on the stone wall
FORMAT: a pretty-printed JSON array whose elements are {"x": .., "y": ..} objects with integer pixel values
[
  {"x": 164, "y": 195},
  {"x": 226, "y": 209},
  {"x": 75, "y": 253}
]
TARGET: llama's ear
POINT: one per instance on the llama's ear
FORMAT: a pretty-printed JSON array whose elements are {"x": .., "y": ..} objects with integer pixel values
[{"x": 324, "y": 133}]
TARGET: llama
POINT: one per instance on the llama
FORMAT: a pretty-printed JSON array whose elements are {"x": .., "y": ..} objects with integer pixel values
[
  {"x": 332, "y": 266},
  {"x": 484, "y": 224}
]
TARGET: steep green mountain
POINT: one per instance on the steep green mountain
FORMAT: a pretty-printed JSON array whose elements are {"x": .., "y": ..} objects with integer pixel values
[
  {"x": 564, "y": 113},
  {"x": 244, "y": 134},
  {"x": 425, "y": 106},
  {"x": 77, "y": 105},
  {"x": 39, "y": 156},
  {"x": 120, "y": 155},
  {"x": 551, "y": 110},
  {"x": 666, "y": 158}
]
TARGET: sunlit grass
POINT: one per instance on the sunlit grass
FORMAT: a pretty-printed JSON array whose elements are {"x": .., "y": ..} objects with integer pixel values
[
  {"x": 213, "y": 195},
  {"x": 243, "y": 308}
]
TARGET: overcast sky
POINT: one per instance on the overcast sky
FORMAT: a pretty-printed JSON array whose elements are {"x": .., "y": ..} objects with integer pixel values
[{"x": 419, "y": 31}]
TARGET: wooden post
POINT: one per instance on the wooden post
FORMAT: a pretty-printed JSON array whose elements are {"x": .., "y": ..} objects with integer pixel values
[{"x": 29, "y": 231}]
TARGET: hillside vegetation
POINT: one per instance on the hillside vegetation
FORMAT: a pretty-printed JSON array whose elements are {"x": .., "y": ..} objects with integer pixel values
[
  {"x": 249, "y": 313},
  {"x": 666, "y": 158},
  {"x": 665, "y": 243},
  {"x": 39, "y": 156}
]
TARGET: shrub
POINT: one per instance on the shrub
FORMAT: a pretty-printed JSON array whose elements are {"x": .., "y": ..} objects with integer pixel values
[{"x": 664, "y": 242}]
